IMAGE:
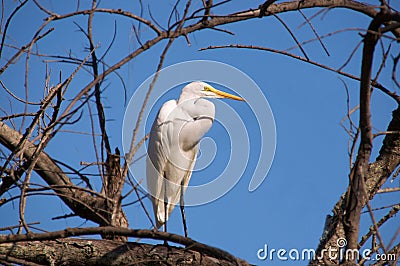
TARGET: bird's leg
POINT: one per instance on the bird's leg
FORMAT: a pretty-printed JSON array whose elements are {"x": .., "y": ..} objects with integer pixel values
[
  {"x": 183, "y": 209},
  {"x": 165, "y": 230},
  {"x": 165, "y": 209}
]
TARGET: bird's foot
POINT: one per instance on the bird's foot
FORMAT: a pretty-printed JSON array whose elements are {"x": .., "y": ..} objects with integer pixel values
[{"x": 166, "y": 243}]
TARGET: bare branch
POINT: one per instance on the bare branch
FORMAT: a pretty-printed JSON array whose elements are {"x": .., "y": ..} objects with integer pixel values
[
  {"x": 68, "y": 232},
  {"x": 88, "y": 252},
  {"x": 129, "y": 155},
  {"x": 110, "y": 11},
  {"x": 263, "y": 8},
  {"x": 395, "y": 209},
  {"x": 53, "y": 175},
  {"x": 357, "y": 195},
  {"x": 388, "y": 190},
  {"x": 376, "y": 228},
  {"x": 4, "y": 31},
  {"x": 241, "y": 46},
  {"x": 293, "y": 36},
  {"x": 23, "y": 49},
  {"x": 315, "y": 32}
]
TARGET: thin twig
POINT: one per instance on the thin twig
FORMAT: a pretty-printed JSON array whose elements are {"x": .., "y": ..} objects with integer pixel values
[
  {"x": 105, "y": 143},
  {"x": 293, "y": 36},
  {"x": 4, "y": 31},
  {"x": 135, "y": 188},
  {"x": 315, "y": 32},
  {"x": 110, "y": 11},
  {"x": 129, "y": 155},
  {"x": 376, "y": 228},
  {"x": 350, "y": 56},
  {"x": 388, "y": 190},
  {"x": 395, "y": 62},
  {"x": 395, "y": 209},
  {"x": 22, "y": 50}
]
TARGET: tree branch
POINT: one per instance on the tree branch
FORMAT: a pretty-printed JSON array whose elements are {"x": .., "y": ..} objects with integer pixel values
[
  {"x": 108, "y": 230},
  {"x": 87, "y": 252},
  {"x": 357, "y": 192},
  {"x": 378, "y": 172},
  {"x": 82, "y": 203}
]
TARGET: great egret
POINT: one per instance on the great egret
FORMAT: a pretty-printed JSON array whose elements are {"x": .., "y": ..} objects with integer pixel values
[{"x": 173, "y": 146}]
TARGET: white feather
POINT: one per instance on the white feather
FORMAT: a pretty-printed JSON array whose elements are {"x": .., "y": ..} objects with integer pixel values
[{"x": 173, "y": 145}]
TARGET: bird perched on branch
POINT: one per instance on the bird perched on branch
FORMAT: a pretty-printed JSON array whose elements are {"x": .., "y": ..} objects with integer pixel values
[{"x": 173, "y": 146}]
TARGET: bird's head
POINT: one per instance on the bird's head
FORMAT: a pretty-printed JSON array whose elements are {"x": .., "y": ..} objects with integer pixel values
[{"x": 199, "y": 89}]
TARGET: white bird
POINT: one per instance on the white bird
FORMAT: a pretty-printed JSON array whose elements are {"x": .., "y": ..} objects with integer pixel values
[{"x": 173, "y": 146}]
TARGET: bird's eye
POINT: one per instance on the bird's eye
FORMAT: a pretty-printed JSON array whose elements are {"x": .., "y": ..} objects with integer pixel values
[{"x": 206, "y": 88}]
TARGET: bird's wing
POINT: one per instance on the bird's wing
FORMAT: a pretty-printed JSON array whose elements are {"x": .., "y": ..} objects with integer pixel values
[
  {"x": 157, "y": 159},
  {"x": 190, "y": 121},
  {"x": 178, "y": 176},
  {"x": 202, "y": 114},
  {"x": 172, "y": 151}
]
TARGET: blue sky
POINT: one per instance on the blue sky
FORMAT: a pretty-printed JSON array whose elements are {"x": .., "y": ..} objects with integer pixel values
[{"x": 310, "y": 168}]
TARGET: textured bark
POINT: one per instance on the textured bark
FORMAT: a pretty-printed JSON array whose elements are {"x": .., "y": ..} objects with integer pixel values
[
  {"x": 189, "y": 243},
  {"x": 388, "y": 159},
  {"x": 378, "y": 172},
  {"x": 103, "y": 252},
  {"x": 357, "y": 198},
  {"x": 113, "y": 184},
  {"x": 365, "y": 178}
]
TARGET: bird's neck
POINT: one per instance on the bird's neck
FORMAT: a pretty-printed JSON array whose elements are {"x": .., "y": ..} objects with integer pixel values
[{"x": 186, "y": 97}]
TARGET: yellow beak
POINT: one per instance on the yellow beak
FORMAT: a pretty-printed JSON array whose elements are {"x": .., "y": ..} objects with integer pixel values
[{"x": 224, "y": 94}]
